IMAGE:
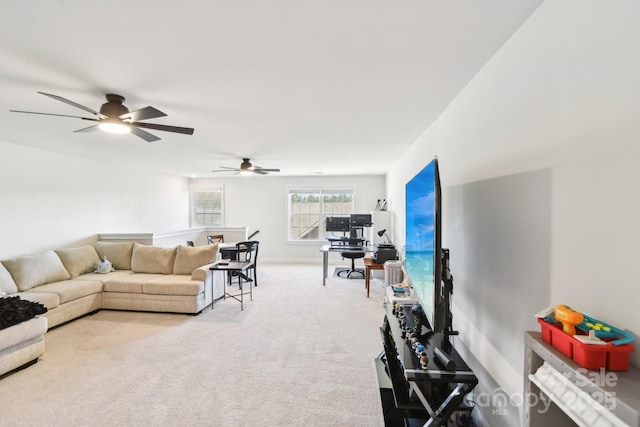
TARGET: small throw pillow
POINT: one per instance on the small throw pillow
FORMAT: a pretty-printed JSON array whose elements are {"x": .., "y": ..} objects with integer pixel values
[
  {"x": 30, "y": 271},
  {"x": 151, "y": 259},
  {"x": 119, "y": 253},
  {"x": 80, "y": 260},
  {"x": 7, "y": 284},
  {"x": 188, "y": 259}
]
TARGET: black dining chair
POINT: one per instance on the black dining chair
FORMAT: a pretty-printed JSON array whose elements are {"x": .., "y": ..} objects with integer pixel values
[
  {"x": 248, "y": 252},
  {"x": 215, "y": 238}
]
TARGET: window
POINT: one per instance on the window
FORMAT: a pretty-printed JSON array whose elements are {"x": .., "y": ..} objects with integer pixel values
[
  {"x": 309, "y": 207},
  {"x": 206, "y": 206}
]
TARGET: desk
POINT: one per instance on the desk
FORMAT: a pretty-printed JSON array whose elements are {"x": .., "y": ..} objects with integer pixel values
[
  {"x": 230, "y": 267},
  {"x": 368, "y": 266},
  {"x": 337, "y": 248}
]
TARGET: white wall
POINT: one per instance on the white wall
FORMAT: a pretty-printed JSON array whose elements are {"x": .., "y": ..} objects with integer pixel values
[
  {"x": 260, "y": 203},
  {"x": 539, "y": 160},
  {"x": 51, "y": 200}
]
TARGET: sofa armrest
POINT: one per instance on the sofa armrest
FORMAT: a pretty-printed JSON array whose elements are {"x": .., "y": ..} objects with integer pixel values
[
  {"x": 201, "y": 273},
  {"x": 212, "y": 279}
]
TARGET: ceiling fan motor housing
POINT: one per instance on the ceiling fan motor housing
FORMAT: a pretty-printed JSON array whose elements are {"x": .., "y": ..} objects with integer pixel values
[
  {"x": 114, "y": 106},
  {"x": 246, "y": 164}
]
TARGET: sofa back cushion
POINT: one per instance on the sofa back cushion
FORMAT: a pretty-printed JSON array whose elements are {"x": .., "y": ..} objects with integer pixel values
[
  {"x": 80, "y": 260},
  {"x": 118, "y": 253},
  {"x": 7, "y": 284},
  {"x": 30, "y": 271},
  {"x": 188, "y": 259},
  {"x": 151, "y": 259}
]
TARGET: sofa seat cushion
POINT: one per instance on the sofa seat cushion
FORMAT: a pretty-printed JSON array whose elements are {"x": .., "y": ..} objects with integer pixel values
[
  {"x": 30, "y": 271},
  {"x": 79, "y": 260},
  {"x": 173, "y": 284},
  {"x": 151, "y": 259},
  {"x": 69, "y": 290},
  {"x": 48, "y": 299},
  {"x": 104, "y": 277},
  {"x": 131, "y": 283}
]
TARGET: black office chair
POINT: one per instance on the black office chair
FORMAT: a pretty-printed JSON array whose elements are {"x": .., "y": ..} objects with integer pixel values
[
  {"x": 248, "y": 252},
  {"x": 353, "y": 256}
]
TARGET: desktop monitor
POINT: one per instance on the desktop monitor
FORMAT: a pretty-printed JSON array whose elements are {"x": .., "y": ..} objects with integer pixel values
[
  {"x": 338, "y": 224},
  {"x": 361, "y": 220},
  {"x": 423, "y": 252}
]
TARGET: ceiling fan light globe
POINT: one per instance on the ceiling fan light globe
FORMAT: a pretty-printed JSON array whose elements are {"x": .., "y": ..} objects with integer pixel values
[
  {"x": 114, "y": 127},
  {"x": 246, "y": 172}
]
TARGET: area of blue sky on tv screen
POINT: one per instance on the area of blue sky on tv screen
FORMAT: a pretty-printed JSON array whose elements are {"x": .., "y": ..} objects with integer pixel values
[{"x": 420, "y": 235}]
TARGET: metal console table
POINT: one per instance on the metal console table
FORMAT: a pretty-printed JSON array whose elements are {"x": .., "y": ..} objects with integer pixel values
[{"x": 230, "y": 267}]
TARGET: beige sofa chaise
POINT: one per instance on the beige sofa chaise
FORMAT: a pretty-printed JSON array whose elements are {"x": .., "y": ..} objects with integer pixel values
[
  {"x": 22, "y": 344},
  {"x": 145, "y": 278}
]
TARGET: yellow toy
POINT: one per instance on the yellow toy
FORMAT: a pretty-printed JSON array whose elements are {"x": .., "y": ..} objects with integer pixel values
[{"x": 569, "y": 318}]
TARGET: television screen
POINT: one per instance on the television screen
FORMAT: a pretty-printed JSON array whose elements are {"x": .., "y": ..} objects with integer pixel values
[
  {"x": 361, "y": 220},
  {"x": 422, "y": 238},
  {"x": 338, "y": 224}
]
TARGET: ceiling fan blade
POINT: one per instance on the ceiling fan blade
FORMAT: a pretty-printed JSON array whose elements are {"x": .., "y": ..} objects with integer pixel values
[
  {"x": 166, "y": 128},
  {"x": 256, "y": 168},
  {"x": 143, "y": 114},
  {"x": 50, "y": 114},
  {"x": 260, "y": 171},
  {"x": 144, "y": 134},
  {"x": 87, "y": 129},
  {"x": 75, "y": 104}
]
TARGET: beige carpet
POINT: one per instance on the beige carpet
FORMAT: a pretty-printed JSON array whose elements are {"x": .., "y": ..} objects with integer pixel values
[{"x": 300, "y": 354}]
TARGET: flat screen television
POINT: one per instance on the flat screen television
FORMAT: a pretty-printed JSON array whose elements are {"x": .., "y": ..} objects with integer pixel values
[
  {"x": 340, "y": 224},
  {"x": 423, "y": 241}
]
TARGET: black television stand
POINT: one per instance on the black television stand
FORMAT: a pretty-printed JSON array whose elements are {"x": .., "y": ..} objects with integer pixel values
[{"x": 412, "y": 395}]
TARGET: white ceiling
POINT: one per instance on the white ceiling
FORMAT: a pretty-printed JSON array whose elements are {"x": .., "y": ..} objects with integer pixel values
[{"x": 332, "y": 87}]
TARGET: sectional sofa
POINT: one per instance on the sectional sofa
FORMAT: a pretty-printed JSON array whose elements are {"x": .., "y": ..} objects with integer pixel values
[{"x": 65, "y": 281}]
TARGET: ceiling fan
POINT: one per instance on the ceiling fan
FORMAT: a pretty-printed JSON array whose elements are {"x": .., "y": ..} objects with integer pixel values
[
  {"x": 246, "y": 168},
  {"x": 114, "y": 117}
]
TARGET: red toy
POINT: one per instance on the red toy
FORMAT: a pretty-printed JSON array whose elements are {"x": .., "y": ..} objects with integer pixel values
[{"x": 564, "y": 332}]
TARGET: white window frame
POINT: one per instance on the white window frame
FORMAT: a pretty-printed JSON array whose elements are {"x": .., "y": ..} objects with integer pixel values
[
  {"x": 216, "y": 188},
  {"x": 321, "y": 189}
]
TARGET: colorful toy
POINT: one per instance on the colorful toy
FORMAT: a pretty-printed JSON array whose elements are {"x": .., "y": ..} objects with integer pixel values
[
  {"x": 569, "y": 318},
  {"x": 589, "y": 325},
  {"x": 604, "y": 330},
  {"x": 591, "y": 343}
]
